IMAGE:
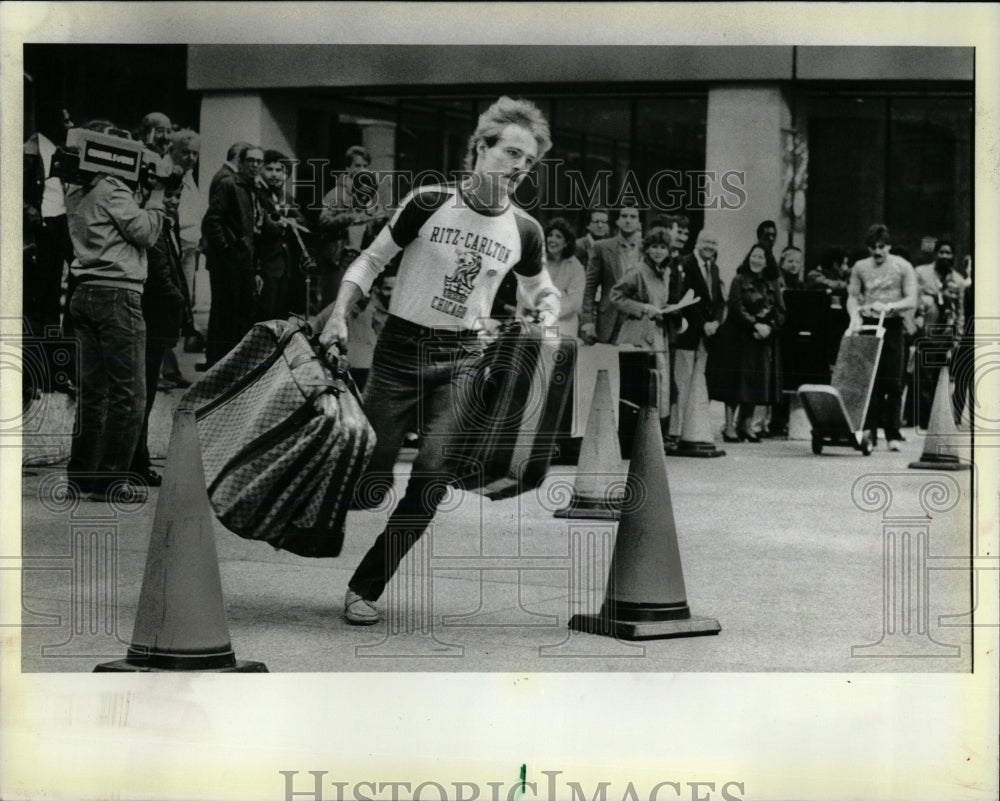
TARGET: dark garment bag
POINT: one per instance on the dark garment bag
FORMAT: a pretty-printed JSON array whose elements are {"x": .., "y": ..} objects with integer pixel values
[
  {"x": 277, "y": 469},
  {"x": 510, "y": 424}
]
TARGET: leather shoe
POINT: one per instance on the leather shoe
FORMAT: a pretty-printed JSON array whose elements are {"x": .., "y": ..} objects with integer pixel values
[
  {"x": 358, "y": 611},
  {"x": 749, "y": 436},
  {"x": 151, "y": 478}
]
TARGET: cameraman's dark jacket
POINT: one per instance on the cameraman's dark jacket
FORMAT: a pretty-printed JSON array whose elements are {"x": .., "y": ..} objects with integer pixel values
[
  {"x": 110, "y": 233},
  {"x": 228, "y": 226}
]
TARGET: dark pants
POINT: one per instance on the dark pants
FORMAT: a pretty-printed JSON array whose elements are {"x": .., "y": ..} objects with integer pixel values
[
  {"x": 931, "y": 355},
  {"x": 234, "y": 308},
  {"x": 887, "y": 394},
  {"x": 418, "y": 381},
  {"x": 155, "y": 351},
  {"x": 41, "y": 293},
  {"x": 275, "y": 297},
  {"x": 112, "y": 337},
  {"x": 781, "y": 412}
]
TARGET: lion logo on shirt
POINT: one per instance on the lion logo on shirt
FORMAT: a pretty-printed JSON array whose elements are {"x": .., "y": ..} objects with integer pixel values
[{"x": 459, "y": 284}]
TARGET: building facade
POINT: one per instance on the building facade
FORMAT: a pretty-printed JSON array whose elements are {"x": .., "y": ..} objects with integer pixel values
[{"x": 823, "y": 140}]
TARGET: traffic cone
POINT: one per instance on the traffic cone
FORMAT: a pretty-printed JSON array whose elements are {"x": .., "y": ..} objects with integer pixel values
[
  {"x": 181, "y": 620},
  {"x": 941, "y": 441},
  {"x": 597, "y": 489},
  {"x": 645, "y": 597},
  {"x": 696, "y": 431}
]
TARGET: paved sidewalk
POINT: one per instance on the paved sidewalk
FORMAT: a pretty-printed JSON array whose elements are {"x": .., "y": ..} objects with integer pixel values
[{"x": 787, "y": 550}]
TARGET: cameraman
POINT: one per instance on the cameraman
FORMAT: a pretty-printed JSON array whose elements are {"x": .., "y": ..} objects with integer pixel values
[{"x": 110, "y": 232}]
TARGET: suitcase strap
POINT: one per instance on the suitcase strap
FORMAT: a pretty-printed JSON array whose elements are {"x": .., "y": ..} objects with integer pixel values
[{"x": 249, "y": 377}]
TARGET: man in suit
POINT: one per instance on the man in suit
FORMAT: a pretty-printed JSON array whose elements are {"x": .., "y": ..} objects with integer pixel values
[
  {"x": 230, "y": 167},
  {"x": 597, "y": 229},
  {"x": 701, "y": 276},
  {"x": 230, "y": 228},
  {"x": 612, "y": 258}
]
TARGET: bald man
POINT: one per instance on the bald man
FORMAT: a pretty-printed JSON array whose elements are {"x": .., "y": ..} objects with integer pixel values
[
  {"x": 701, "y": 276},
  {"x": 155, "y": 130}
]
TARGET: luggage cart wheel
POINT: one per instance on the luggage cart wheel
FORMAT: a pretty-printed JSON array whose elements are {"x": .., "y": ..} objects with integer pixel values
[
  {"x": 817, "y": 443},
  {"x": 866, "y": 446}
]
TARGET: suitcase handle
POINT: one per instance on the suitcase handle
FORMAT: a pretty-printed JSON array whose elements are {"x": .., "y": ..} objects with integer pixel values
[{"x": 876, "y": 327}]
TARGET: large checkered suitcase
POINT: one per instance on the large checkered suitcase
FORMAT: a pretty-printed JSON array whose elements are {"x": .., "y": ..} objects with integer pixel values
[
  {"x": 277, "y": 469},
  {"x": 511, "y": 423}
]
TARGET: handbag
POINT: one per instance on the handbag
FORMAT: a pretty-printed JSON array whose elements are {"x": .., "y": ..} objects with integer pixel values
[{"x": 277, "y": 469}]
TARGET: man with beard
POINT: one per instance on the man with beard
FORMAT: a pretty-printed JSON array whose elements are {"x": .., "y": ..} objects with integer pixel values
[{"x": 280, "y": 252}]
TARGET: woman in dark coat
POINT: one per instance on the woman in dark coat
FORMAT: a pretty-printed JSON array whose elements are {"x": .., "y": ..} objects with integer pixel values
[{"x": 744, "y": 366}]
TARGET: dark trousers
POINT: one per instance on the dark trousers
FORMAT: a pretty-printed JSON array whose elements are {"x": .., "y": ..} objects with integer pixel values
[
  {"x": 781, "y": 412},
  {"x": 963, "y": 368},
  {"x": 887, "y": 394},
  {"x": 275, "y": 297},
  {"x": 155, "y": 351},
  {"x": 420, "y": 380},
  {"x": 41, "y": 304},
  {"x": 932, "y": 353},
  {"x": 234, "y": 308},
  {"x": 112, "y": 337}
]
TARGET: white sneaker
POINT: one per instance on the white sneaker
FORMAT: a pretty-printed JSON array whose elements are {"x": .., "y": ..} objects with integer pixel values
[
  {"x": 358, "y": 611},
  {"x": 895, "y": 445}
]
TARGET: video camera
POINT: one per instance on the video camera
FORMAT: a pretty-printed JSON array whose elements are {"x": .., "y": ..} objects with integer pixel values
[{"x": 89, "y": 153}]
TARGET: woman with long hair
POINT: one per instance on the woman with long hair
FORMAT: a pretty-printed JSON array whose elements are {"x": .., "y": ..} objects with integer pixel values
[{"x": 744, "y": 367}]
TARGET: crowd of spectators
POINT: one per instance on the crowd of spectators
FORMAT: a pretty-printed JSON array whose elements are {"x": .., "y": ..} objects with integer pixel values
[
  {"x": 130, "y": 292},
  {"x": 117, "y": 266},
  {"x": 737, "y": 337}
]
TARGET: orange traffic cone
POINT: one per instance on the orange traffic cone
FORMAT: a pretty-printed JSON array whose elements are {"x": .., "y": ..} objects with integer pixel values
[
  {"x": 598, "y": 488},
  {"x": 645, "y": 597},
  {"x": 181, "y": 620},
  {"x": 941, "y": 441},
  {"x": 696, "y": 431}
]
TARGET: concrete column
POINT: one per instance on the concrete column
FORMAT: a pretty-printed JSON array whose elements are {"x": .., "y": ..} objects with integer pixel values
[
  {"x": 744, "y": 134},
  {"x": 228, "y": 117},
  {"x": 379, "y": 137}
]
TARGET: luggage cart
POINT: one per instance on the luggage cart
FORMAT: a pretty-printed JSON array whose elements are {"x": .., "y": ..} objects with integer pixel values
[{"x": 837, "y": 411}]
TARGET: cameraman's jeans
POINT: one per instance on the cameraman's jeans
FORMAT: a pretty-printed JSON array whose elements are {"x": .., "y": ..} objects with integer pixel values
[
  {"x": 418, "y": 380},
  {"x": 112, "y": 336}
]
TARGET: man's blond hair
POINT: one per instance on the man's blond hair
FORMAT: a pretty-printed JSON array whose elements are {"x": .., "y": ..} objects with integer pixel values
[{"x": 509, "y": 111}]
